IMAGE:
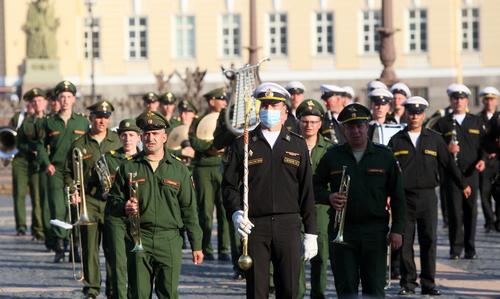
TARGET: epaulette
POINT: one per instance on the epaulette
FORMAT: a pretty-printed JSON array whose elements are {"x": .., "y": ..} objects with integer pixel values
[
  {"x": 296, "y": 134},
  {"x": 112, "y": 152},
  {"x": 175, "y": 157}
]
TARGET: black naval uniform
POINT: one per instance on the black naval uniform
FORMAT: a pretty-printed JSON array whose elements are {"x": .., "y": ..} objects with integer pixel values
[
  {"x": 492, "y": 146},
  {"x": 371, "y": 129},
  {"x": 462, "y": 212},
  {"x": 486, "y": 179},
  {"x": 280, "y": 200},
  {"x": 330, "y": 128},
  {"x": 420, "y": 167}
]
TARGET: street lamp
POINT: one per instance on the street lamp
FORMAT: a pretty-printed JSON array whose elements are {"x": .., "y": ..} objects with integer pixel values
[{"x": 90, "y": 4}]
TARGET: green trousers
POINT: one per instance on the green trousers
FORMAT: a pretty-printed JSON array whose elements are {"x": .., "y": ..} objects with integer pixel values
[
  {"x": 24, "y": 176},
  {"x": 159, "y": 263},
  {"x": 362, "y": 259},
  {"x": 58, "y": 203},
  {"x": 91, "y": 237},
  {"x": 116, "y": 250},
  {"x": 50, "y": 239},
  {"x": 208, "y": 181}
]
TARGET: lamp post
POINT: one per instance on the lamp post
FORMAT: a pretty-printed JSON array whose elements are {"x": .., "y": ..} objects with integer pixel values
[
  {"x": 252, "y": 49},
  {"x": 387, "y": 48},
  {"x": 90, "y": 4}
]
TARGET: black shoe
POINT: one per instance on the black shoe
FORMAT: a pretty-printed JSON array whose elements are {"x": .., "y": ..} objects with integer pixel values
[
  {"x": 59, "y": 257},
  {"x": 406, "y": 291},
  {"x": 224, "y": 257},
  {"x": 395, "y": 275},
  {"x": 470, "y": 256},
  {"x": 209, "y": 257},
  {"x": 431, "y": 291},
  {"x": 20, "y": 233},
  {"x": 454, "y": 257}
]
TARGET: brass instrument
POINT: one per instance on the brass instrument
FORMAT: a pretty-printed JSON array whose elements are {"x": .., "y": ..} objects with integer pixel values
[
  {"x": 102, "y": 169},
  {"x": 77, "y": 275},
  {"x": 135, "y": 219},
  {"x": 8, "y": 147},
  {"x": 78, "y": 186},
  {"x": 345, "y": 181},
  {"x": 454, "y": 139}
]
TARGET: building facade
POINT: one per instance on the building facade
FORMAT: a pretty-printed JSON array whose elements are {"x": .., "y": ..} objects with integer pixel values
[{"x": 316, "y": 41}]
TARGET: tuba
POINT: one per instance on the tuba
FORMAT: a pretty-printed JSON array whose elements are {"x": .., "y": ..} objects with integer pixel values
[
  {"x": 345, "y": 181},
  {"x": 135, "y": 220},
  {"x": 8, "y": 148}
]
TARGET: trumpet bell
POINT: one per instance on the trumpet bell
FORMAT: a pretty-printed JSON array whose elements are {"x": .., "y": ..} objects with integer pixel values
[
  {"x": 8, "y": 147},
  {"x": 84, "y": 220}
]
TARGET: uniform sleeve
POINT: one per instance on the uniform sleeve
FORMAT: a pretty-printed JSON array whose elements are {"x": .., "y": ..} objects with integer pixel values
[
  {"x": 482, "y": 154},
  {"x": 222, "y": 136},
  {"x": 232, "y": 179},
  {"x": 196, "y": 143},
  {"x": 115, "y": 203},
  {"x": 41, "y": 145},
  {"x": 306, "y": 196},
  {"x": 489, "y": 142},
  {"x": 446, "y": 161},
  {"x": 320, "y": 181},
  {"x": 396, "y": 193},
  {"x": 189, "y": 211},
  {"x": 68, "y": 168}
]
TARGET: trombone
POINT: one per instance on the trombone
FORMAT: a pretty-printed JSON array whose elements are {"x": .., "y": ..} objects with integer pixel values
[
  {"x": 135, "y": 219},
  {"x": 345, "y": 181},
  {"x": 77, "y": 275},
  {"x": 78, "y": 186}
]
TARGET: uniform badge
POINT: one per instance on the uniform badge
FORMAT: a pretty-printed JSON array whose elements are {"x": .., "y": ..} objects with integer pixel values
[
  {"x": 269, "y": 93},
  {"x": 104, "y": 106}
]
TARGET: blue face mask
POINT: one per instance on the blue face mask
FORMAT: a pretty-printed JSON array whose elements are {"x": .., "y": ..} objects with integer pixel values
[{"x": 270, "y": 118}]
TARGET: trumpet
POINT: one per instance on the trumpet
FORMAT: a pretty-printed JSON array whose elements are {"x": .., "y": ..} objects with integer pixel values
[
  {"x": 454, "y": 139},
  {"x": 345, "y": 181},
  {"x": 135, "y": 219},
  {"x": 78, "y": 186},
  {"x": 102, "y": 169}
]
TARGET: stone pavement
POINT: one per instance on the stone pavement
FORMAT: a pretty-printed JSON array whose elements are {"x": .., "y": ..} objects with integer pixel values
[{"x": 26, "y": 270}]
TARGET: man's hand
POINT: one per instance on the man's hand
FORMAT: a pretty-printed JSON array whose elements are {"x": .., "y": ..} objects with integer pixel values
[
  {"x": 337, "y": 200},
  {"x": 215, "y": 152},
  {"x": 131, "y": 207},
  {"x": 453, "y": 148},
  {"x": 51, "y": 169},
  {"x": 197, "y": 257},
  {"x": 467, "y": 191},
  {"x": 480, "y": 166},
  {"x": 243, "y": 226},
  {"x": 75, "y": 198},
  {"x": 396, "y": 240},
  {"x": 310, "y": 246}
]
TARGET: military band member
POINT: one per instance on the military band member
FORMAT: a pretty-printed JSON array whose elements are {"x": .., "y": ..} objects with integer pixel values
[
  {"x": 207, "y": 177},
  {"x": 380, "y": 100},
  {"x": 25, "y": 169},
  {"x": 489, "y": 96},
  {"x": 332, "y": 95},
  {"x": 151, "y": 101},
  {"x": 376, "y": 84},
  {"x": 280, "y": 198},
  {"x": 296, "y": 90},
  {"x": 374, "y": 176},
  {"x": 55, "y": 105},
  {"x": 115, "y": 227},
  {"x": 166, "y": 203},
  {"x": 421, "y": 152},
  {"x": 58, "y": 132},
  {"x": 462, "y": 132},
  {"x": 310, "y": 114},
  {"x": 95, "y": 143},
  {"x": 400, "y": 92},
  {"x": 167, "y": 102},
  {"x": 187, "y": 113}
]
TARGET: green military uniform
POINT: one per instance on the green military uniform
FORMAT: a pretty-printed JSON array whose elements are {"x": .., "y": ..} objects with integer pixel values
[
  {"x": 169, "y": 98},
  {"x": 53, "y": 146},
  {"x": 183, "y": 106},
  {"x": 375, "y": 175},
  {"x": 115, "y": 227},
  {"x": 167, "y": 203},
  {"x": 207, "y": 175},
  {"x": 91, "y": 235},
  {"x": 319, "y": 262},
  {"x": 26, "y": 171}
]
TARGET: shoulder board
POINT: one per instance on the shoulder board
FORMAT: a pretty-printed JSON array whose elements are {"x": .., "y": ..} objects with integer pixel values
[
  {"x": 112, "y": 153},
  {"x": 175, "y": 157},
  {"x": 296, "y": 135}
]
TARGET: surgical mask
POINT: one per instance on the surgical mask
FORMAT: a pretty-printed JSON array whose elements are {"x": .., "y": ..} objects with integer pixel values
[{"x": 270, "y": 118}]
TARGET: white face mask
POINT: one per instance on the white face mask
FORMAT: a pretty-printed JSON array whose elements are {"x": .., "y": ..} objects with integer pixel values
[{"x": 270, "y": 118}]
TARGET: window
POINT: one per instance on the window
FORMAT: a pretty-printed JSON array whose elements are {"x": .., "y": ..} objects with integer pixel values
[
  {"x": 417, "y": 30},
  {"x": 470, "y": 29},
  {"x": 231, "y": 36},
  {"x": 324, "y": 33},
  {"x": 420, "y": 91},
  {"x": 184, "y": 33},
  {"x": 138, "y": 37},
  {"x": 371, "y": 37},
  {"x": 278, "y": 40},
  {"x": 91, "y": 38}
]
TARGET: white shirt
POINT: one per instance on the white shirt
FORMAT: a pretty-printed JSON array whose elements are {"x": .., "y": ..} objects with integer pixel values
[
  {"x": 271, "y": 136},
  {"x": 358, "y": 154},
  {"x": 489, "y": 115},
  {"x": 414, "y": 137},
  {"x": 459, "y": 118}
]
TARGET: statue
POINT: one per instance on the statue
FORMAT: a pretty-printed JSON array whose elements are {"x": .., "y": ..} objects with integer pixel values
[{"x": 40, "y": 28}]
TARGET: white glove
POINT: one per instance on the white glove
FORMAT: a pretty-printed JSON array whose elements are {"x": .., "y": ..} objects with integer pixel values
[
  {"x": 310, "y": 246},
  {"x": 244, "y": 227}
]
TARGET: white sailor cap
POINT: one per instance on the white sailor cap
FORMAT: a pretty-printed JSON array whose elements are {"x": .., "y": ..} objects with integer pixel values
[
  {"x": 376, "y": 84},
  {"x": 380, "y": 96},
  {"x": 329, "y": 90},
  {"x": 401, "y": 88},
  {"x": 416, "y": 104},
  {"x": 349, "y": 91},
  {"x": 456, "y": 89},
  {"x": 269, "y": 91},
  {"x": 489, "y": 92},
  {"x": 294, "y": 87}
]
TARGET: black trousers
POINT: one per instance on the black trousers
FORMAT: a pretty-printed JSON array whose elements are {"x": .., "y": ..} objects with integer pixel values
[
  {"x": 485, "y": 188},
  {"x": 421, "y": 213},
  {"x": 274, "y": 239},
  {"x": 462, "y": 216}
]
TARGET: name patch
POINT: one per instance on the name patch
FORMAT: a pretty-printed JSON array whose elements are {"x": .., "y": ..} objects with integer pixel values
[
  {"x": 430, "y": 152},
  {"x": 335, "y": 172},
  {"x": 292, "y": 154},
  {"x": 255, "y": 161},
  {"x": 54, "y": 133},
  {"x": 79, "y": 132},
  {"x": 402, "y": 152},
  {"x": 474, "y": 131},
  {"x": 172, "y": 183},
  {"x": 375, "y": 170},
  {"x": 291, "y": 161}
]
